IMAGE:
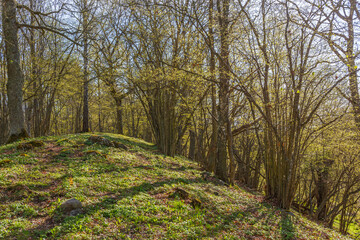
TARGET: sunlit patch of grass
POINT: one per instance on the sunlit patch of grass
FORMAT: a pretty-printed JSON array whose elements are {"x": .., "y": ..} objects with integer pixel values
[{"x": 127, "y": 195}]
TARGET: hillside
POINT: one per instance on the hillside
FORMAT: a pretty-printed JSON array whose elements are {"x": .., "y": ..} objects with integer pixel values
[{"x": 129, "y": 192}]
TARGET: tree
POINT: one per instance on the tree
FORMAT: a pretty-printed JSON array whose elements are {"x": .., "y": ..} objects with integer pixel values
[
  {"x": 223, "y": 7},
  {"x": 112, "y": 55},
  {"x": 340, "y": 29},
  {"x": 14, "y": 72},
  {"x": 212, "y": 152},
  {"x": 160, "y": 46},
  {"x": 85, "y": 31}
]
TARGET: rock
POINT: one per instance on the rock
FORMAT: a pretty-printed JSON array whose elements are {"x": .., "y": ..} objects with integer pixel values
[
  {"x": 119, "y": 145},
  {"x": 95, "y": 153},
  {"x": 36, "y": 143},
  {"x": 287, "y": 213},
  {"x": 196, "y": 203},
  {"x": 24, "y": 146},
  {"x": 75, "y": 212},
  {"x": 222, "y": 183},
  {"x": 30, "y": 145},
  {"x": 206, "y": 176},
  {"x": 101, "y": 141},
  {"x": 71, "y": 206},
  {"x": 106, "y": 142},
  {"x": 181, "y": 193},
  {"x": 95, "y": 139},
  {"x": 212, "y": 178}
]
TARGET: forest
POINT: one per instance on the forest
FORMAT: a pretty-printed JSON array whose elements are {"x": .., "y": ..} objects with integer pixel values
[{"x": 261, "y": 93}]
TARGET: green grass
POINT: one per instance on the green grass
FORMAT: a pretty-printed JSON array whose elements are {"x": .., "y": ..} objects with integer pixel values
[{"x": 129, "y": 195}]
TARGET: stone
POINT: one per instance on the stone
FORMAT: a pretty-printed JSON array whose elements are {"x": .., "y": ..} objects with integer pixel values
[
  {"x": 206, "y": 176},
  {"x": 37, "y": 143},
  {"x": 71, "y": 205},
  {"x": 101, "y": 141},
  {"x": 119, "y": 145},
  {"x": 181, "y": 193},
  {"x": 75, "y": 212},
  {"x": 30, "y": 145},
  {"x": 106, "y": 142},
  {"x": 195, "y": 203}
]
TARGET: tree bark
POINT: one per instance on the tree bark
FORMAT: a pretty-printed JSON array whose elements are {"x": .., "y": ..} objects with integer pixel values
[
  {"x": 86, "y": 74},
  {"x": 211, "y": 157},
  {"x": 15, "y": 76},
  {"x": 224, "y": 78},
  {"x": 34, "y": 71},
  {"x": 119, "y": 115},
  {"x": 192, "y": 146}
]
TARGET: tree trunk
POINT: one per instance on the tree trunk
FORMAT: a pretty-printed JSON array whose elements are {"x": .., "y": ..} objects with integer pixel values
[
  {"x": 119, "y": 117},
  {"x": 34, "y": 74},
  {"x": 354, "y": 90},
  {"x": 211, "y": 157},
  {"x": 78, "y": 119},
  {"x": 86, "y": 74},
  {"x": 221, "y": 165},
  {"x": 199, "y": 156},
  {"x": 322, "y": 189},
  {"x": 15, "y": 76},
  {"x": 192, "y": 145},
  {"x": 350, "y": 62}
]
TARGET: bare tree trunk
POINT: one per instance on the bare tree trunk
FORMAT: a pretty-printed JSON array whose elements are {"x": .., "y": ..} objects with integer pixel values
[
  {"x": 119, "y": 115},
  {"x": 15, "y": 76},
  {"x": 86, "y": 74},
  {"x": 99, "y": 106},
  {"x": 34, "y": 71},
  {"x": 199, "y": 154},
  {"x": 221, "y": 165},
  {"x": 354, "y": 90},
  {"x": 350, "y": 62},
  {"x": 232, "y": 170},
  {"x": 322, "y": 189},
  {"x": 133, "y": 131},
  {"x": 211, "y": 158},
  {"x": 192, "y": 146},
  {"x": 78, "y": 119}
]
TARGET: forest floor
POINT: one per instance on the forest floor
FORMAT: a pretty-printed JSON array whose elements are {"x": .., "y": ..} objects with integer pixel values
[{"x": 136, "y": 193}]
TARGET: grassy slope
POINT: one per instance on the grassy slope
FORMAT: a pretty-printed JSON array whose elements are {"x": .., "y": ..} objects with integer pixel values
[{"x": 126, "y": 196}]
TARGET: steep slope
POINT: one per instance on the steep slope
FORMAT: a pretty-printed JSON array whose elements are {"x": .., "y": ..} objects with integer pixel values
[{"x": 129, "y": 192}]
